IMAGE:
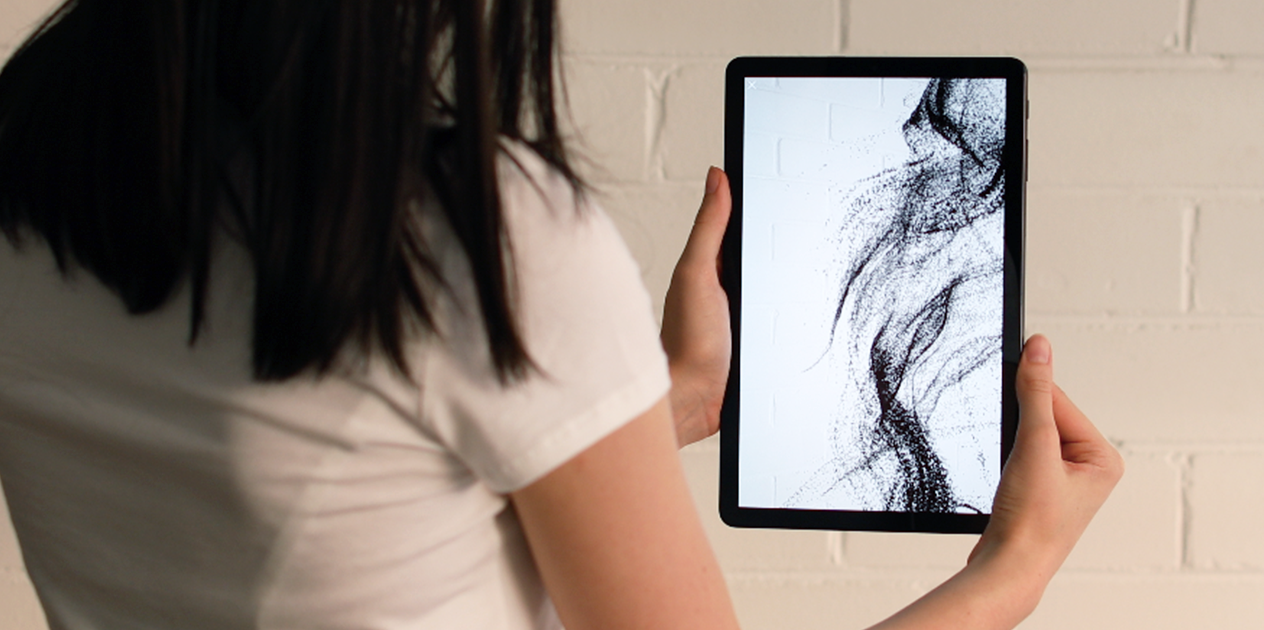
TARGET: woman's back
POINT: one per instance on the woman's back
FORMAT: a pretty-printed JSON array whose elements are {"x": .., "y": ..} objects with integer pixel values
[{"x": 157, "y": 485}]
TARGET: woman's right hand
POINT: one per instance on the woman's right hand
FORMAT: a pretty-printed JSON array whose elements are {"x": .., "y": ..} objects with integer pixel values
[{"x": 1059, "y": 473}]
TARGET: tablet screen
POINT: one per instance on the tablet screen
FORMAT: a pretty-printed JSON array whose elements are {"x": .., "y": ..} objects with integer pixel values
[{"x": 869, "y": 374}]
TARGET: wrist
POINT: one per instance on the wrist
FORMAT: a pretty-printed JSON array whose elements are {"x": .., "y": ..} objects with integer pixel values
[
  {"x": 684, "y": 408},
  {"x": 1010, "y": 579},
  {"x": 695, "y": 401},
  {"x": 995, "y": 591}
]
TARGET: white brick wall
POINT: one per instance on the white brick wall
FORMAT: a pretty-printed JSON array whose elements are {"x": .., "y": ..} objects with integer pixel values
[
  {"x": 19, "y": 609},
  {"x": 1146, "y": 219},
  {"x": 701, "y": 28},
  {"x": 1146, "y": 212},
  {"x": 1228, "y": 27},
  {"x": 1025, "y": 28}
]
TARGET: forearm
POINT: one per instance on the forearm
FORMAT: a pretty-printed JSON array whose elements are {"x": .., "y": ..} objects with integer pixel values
[{"x": 994, "y": 593}]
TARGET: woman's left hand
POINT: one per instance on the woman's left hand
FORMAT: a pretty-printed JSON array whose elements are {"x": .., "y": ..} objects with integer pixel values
[{"x": 696, "y": 333}]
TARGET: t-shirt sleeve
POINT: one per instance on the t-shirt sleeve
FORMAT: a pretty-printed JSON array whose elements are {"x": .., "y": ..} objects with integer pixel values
[{"x": 588, "y": 327}]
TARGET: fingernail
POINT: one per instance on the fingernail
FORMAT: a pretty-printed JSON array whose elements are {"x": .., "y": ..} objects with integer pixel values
[
  {"x": 1037, "y": 352},
  {"x": 713, "y": 179}
]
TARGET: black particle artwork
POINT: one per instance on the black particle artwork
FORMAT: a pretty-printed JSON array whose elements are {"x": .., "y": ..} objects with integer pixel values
[{"x": 901, "y": 353}]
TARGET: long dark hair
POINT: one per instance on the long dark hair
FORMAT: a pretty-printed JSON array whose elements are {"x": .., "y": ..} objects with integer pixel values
[{"x": 120, "y": 121}]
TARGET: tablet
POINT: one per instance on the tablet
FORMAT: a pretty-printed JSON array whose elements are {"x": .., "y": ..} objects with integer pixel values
[{"x": 874, "y": 271}]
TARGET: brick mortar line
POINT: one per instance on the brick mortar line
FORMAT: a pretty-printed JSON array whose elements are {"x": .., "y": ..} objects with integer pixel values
[
  {"x": 836, "y": 548},
  {"x": 1191, "y": 220},
  {"x": 1190, "y": 322},
  {"x": 658, "y": 83},
  {"x": 930, "y": 577},
  {"x": 842, "y": 25},
  {"x": 1192, "y": 447},
  {"x": 1168, "y": 62},
  {"x": 665, "y": 59},
  {"x": 1184, "y": 511},
  {"x": 1198, "y": 192},
  {"x": 1185, "y": 27}
]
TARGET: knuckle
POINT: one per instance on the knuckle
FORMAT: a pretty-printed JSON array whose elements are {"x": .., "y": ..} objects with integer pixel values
[
  {"x": 1035, "y": 382},
  {"x": 1117, "y": 465}
]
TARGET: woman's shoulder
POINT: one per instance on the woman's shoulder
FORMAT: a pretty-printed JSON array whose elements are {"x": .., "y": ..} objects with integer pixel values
[
  {"x": 528, "y": 184},
  {"x": 550, "y": 220},
  {"x": 587, "y": 324}
]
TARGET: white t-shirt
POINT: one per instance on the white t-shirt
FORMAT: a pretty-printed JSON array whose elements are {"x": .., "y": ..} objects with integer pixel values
[{"x": 153, "y": 485}]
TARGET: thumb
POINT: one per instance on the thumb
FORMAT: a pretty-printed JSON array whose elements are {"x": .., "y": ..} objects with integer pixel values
[
  {"x": 1035, "y": 386},
  {"x": 703, "y": 246}
]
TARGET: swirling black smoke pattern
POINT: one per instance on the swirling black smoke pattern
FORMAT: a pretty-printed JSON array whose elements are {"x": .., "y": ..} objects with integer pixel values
[{"x": 918, "y": 312}]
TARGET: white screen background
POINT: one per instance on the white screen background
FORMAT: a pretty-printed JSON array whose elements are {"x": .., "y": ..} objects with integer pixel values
[{"x": 810, "y": 145}]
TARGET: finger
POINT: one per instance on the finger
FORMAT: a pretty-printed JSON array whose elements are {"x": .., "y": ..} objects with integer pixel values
[
  {"x": 1035, "y": 385},
  {"x": 703, "y": 246},
  {"x": 1082, "y": 443},
  {"x": 1073, "y": 425}
]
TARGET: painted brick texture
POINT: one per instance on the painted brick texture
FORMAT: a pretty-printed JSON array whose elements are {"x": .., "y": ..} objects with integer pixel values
[
  {"x": 1145, "y": 210},
  {"x": 1228, "y": 27},
  {"x": 700, "y": 28},
  {"x": 1145, "y": 267},
  {"x": 19, "y": 610},
  {"x": 990, "y": 27}
]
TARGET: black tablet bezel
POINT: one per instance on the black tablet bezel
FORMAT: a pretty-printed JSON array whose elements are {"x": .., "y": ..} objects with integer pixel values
[{"x": 1015, "y": 74}]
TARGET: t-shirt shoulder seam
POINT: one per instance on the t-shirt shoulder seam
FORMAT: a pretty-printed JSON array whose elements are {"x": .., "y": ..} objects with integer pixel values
[{"x": 581, "y": 431}]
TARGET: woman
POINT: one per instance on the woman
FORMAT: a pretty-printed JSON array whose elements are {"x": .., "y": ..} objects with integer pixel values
[{"x": 306, "y": 322}]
